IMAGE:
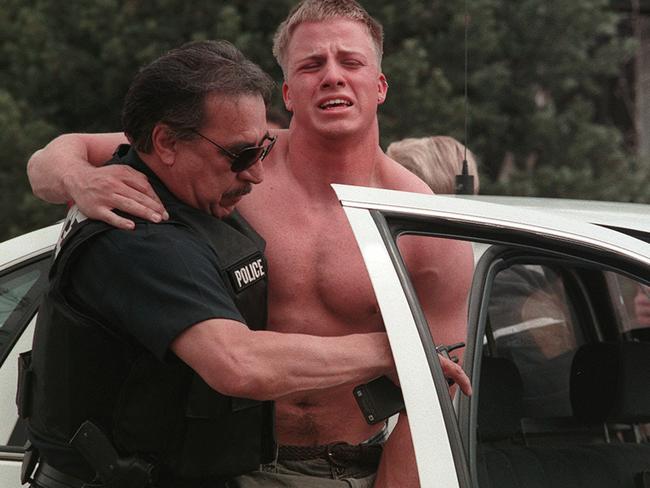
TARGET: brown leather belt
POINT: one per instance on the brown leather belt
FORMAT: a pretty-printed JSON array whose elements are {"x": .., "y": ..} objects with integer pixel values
[{"x": 338, "y": 453}]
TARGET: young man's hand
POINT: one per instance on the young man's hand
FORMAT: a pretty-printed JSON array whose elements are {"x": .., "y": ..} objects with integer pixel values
[{"x": 99, "y": 191}]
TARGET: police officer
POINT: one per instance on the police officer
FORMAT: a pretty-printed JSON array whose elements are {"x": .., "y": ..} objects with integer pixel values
[{"x": 130, "y": 383}]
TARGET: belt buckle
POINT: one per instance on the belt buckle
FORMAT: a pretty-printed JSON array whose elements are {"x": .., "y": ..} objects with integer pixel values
[{"x": 331, "y": 453}]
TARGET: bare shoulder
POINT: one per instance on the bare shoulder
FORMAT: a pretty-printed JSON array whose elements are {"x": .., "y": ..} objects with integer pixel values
[
  {"x": 394, "y": 176},
  {"x": 444, "y": 253}
]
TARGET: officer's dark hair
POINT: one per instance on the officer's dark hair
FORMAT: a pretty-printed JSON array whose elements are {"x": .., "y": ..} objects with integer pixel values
[{"x": 173, "y": 89}]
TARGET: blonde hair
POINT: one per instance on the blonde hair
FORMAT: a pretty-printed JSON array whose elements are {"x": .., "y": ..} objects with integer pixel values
[
  {"x": 435, "y": 160},
  {"x": 318, "y": 11}
]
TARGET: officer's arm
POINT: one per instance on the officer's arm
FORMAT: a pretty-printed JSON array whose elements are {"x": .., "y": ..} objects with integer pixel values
[
  {"x": 69, "y": 169},
  {"x": 265, "y": 365}
]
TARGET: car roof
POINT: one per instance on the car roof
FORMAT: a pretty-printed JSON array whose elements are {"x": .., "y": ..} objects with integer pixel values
[
  {"x": 622, "y": 215},
  {"x": 28, "y": 245},
  {"x": 474, "y": 211}
]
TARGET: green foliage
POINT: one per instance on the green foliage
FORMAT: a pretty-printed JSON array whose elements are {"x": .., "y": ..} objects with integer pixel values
[
  {"x": 538, "y": 70},
  {"x": 19, "y": 132}
]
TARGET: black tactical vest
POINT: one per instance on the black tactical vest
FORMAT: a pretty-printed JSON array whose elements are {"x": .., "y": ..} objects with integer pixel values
[{"x": 163, "y": 412}]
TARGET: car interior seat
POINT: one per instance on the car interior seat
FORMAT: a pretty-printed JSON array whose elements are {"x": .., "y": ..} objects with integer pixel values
[{"x": 616, "y": 376}]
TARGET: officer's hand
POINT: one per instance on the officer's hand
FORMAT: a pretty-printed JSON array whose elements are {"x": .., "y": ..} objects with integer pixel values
[
  {"x": 98, "y": 191},
  {"x": 454, "y": 372}
]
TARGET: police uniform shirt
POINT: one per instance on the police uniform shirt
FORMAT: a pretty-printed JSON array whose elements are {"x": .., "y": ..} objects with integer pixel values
[{"x": 151, "y": 283}]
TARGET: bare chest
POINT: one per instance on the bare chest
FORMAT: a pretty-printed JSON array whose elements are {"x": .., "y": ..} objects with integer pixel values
[{"x": 318, "y": 282}]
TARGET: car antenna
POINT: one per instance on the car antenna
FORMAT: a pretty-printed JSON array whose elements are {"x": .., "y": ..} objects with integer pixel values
[{"x": 465, "y": 181}]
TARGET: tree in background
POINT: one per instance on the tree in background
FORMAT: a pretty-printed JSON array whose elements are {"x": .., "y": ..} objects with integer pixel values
[{"x": 538, "y": 72}]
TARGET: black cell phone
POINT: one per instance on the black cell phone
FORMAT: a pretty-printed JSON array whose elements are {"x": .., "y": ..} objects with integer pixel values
[{"x": 379, "y": 399}]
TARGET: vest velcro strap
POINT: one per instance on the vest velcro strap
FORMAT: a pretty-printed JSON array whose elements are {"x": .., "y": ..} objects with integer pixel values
[{"x": 48, "y": 477}]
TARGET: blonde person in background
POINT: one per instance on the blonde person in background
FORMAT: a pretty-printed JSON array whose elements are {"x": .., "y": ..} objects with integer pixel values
[{"x": 436, "y": 160}]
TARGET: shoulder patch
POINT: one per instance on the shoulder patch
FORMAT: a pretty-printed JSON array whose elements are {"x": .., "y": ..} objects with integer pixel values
[
  {"x": 247, "y": 272},
  {"x": 72, "y": 221}
]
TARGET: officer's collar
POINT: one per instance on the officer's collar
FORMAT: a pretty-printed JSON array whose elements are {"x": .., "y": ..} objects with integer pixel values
[{"x": 126, "y": 154}]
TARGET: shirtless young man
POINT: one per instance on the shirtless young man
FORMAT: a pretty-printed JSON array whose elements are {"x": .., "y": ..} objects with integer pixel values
[{"x": 330, "y": 52}]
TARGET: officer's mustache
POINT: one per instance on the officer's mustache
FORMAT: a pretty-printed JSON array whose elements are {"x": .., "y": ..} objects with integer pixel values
[{"x": 238, "y": 192}]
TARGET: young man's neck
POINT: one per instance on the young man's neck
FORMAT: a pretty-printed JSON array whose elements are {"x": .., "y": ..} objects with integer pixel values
[{"x": 318, "y": 161}]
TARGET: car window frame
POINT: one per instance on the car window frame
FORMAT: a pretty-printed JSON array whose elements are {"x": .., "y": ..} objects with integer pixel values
[{"x": 435, "y": 460}]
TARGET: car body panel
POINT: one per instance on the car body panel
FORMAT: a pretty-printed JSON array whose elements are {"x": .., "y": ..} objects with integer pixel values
[
  {"x": 25, "y": 247},
  {"x": 10, "y": 471},
  {"x": 633, "y": 216},
  {"x": 8, "y": 375},
  {"x": 486, "y": 214}
]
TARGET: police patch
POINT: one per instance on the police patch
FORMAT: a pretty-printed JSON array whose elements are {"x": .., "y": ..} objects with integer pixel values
[{"x": 247, "y": 272}]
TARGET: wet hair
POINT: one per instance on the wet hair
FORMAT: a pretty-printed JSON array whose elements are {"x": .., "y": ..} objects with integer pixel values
[
  {"x": 435, "y": 160},
  {"x": 318, "y": 11},
  {"x": 173, "y": 89}
]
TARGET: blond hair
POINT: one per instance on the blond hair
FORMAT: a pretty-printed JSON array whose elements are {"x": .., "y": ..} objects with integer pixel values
[
  {"x": 318, "y": 11},
  {"x": 435, "y": 160}
]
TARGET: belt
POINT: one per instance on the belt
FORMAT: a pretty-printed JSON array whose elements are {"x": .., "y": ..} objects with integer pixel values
[
  {"x": 337, "y": 453},
  {"x": 48, "y": 477}
]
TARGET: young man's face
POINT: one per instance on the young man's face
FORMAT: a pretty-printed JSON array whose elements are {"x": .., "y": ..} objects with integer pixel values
[
  {"x": 333, "y": 82},
  {"x": 205, "y": 178}
]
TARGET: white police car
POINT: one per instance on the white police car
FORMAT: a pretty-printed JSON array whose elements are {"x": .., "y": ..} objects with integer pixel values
[
  {"x": 24, "y": 262},
  {"x": 559, "y": 362}
]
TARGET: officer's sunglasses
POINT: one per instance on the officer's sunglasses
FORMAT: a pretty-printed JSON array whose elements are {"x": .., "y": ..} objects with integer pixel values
[{"x": 248, "y": 156}]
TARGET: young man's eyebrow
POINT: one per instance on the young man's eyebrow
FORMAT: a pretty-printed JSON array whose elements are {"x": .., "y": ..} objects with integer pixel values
[
  {"x": 310, "y": 57},
  {"x": 351, "y": 52}
]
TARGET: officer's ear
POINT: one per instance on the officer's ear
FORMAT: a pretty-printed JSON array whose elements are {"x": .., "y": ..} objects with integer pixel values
[{"x": 164, "y": 143}]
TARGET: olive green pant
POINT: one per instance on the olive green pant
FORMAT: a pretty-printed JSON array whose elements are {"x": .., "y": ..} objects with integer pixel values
[{"x": 314, "y": 473}]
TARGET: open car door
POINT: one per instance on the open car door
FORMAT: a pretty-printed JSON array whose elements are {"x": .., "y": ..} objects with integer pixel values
[{"x": 444, "y": 434}]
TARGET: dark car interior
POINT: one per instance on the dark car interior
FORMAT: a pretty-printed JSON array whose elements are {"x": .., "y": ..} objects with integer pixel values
[{"x": 564, "y": 389}]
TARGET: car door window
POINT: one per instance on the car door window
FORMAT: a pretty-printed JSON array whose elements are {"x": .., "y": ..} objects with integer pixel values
[
  {"x": 533, "y": 324},
  {"x": 21, "y": 289},
  {"x": 18, "y": 296}
]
